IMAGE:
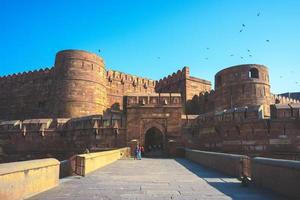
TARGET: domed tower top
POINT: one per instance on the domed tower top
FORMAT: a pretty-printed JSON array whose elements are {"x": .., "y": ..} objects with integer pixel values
[{"x": 243, "y": 85}]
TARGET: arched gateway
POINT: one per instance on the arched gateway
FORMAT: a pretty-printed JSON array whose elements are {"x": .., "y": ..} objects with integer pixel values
[
  {"x": 154, "y": 142},
  {"x": 152, "y": 120}
]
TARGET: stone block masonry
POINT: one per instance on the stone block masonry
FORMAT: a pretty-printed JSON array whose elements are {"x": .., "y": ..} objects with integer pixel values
[{"x": 19, "y": 180}]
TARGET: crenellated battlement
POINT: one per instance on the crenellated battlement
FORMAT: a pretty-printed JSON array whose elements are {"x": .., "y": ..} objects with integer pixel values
[
  {"x": 179, "y": 75},
  {"x": 155, "y": 99},
  {"x": 117, "y": 76},
  {"x": 28, "y": 75},
  {"x": 279, "y": 99}
]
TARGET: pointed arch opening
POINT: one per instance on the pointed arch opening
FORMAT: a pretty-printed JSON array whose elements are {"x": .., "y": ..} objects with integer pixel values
[{"x": 154, "y": 142}]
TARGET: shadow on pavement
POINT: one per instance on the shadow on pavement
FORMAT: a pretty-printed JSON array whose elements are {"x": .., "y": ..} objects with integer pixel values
[{"x": 230, "y": 186}]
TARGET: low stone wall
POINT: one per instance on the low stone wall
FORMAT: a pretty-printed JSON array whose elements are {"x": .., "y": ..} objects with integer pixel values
[
  {"x": 19, "y": 180},
  {"x": 282, "y": 176},
  {"x": 86, "y": 163},
  {"x": 227, "y": 163}
]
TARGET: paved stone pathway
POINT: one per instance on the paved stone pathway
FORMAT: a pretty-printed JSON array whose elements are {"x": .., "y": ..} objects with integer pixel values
[{"x": 153, "y": 179}]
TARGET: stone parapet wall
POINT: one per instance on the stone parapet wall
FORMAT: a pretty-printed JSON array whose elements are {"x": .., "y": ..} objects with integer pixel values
[
  {"x": 87, "y": 163},
  {"x": 282, "y": 176},
  {"x": 21, "y": 180},
  {"x": 227, "y": 163}
]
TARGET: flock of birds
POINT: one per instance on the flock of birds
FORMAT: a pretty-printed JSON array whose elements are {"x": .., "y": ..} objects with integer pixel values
[
  {"x": 248, "y": 50},
  {"x": 232, "y": 55}
]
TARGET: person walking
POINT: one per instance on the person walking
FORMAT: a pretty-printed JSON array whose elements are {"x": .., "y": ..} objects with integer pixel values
[
  {"x": 136, "y": 152},
  {"x": 139, "y": 152}
]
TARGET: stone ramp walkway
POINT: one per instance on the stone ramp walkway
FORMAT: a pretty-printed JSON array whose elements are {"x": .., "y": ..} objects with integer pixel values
[{"x": 153, "y": 179}]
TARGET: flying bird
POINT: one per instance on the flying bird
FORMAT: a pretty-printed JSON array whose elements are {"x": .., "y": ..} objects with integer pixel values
[
  {"x": 258, "y": 14},
  {"x": 267, "y": 40},
  {"x": 248, "y": 50},
  {"x": 242, "y": 57},
  {"x": 99, "y": 50},
  {"x": 231, "y": 54},
  {"x": 241, "y": 30},
  {"x": 207, "y": 48},
  {"x": 243, "y": 25},
  {"x": 158, "y": 57},
  {"x": 250, "y": 55}
]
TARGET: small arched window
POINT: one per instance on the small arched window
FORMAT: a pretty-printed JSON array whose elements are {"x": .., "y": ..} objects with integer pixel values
[{"x": 253, "y": 73}]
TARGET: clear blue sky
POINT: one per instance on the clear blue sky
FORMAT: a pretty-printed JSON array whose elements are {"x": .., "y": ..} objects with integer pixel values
[{"x": 132, "y": 34}]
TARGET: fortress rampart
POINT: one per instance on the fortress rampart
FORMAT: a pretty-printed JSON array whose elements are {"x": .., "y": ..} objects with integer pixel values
[
  {"x": 279, "y": 99},
  {"x": 120, "y": 84},
  {"x": 182, "y": 82},
  {"x": 77, "y": 85},
  {"x": 26, "y": 94}
]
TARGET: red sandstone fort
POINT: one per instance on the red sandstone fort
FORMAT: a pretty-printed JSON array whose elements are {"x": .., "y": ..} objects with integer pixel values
[{"x": 78, "y": 104}]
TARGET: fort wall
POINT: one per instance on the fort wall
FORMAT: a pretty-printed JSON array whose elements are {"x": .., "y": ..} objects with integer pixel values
[
  {"x": 59, "y": 138},
  {"x": 277, "y": 138},
  {"x": 26, "y": 94},
  {"x": 181, "y": 82},
  {"x": 78, "y": 85},
  {"x": 120, "y": 84},
  {"x": 279, "y": 99}
]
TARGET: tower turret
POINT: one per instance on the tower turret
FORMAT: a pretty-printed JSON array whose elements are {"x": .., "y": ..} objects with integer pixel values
[
  {"x": 80, "y": 84},
  {"x": 243, "y": 85}
]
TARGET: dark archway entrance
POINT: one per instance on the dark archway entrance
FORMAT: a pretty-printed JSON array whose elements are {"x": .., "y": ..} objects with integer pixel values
[{"x": 154, "y": 142}]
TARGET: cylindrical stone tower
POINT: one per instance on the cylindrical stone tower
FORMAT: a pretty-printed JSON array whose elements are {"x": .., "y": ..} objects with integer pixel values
[
  {"x": 80, "y": 84},
  {"x": 243, "y": 85}
]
